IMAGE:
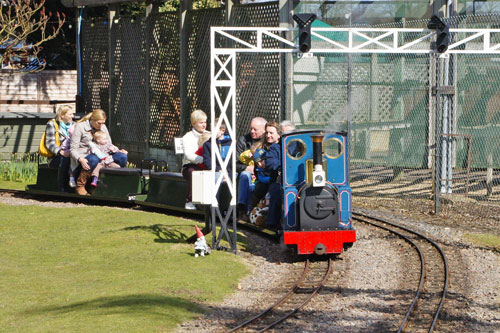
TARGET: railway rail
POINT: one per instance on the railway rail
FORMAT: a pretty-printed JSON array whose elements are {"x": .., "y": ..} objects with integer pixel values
[
  {"x": 302, "y": 292},
  {"x": 432, "y": 286}
]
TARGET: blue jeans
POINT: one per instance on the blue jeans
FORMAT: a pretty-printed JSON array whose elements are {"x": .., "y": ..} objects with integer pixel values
[
  {"x": 62, "y": 164},
  {"x": 245, "y": 188},
  {"x": 274, "y": 212},
  {"x": 120, "y": 158},
  {"x": 93, "y": 160}
]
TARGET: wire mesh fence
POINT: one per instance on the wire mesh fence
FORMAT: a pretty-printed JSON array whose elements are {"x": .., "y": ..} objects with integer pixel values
[
  {"x": 95, "y": 65},
  {"x": 388, "y": 103},
  {"x": 128, "y": 107},
  {"x": 164, "y": 78},
  {"x": 258, "y": 88},
  {"x": 198, "y": 69}
]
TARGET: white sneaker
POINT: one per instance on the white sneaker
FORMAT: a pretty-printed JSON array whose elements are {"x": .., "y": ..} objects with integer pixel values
[
  {"x": 190, "y": 206},
  {"x": 72, "y": 182}
]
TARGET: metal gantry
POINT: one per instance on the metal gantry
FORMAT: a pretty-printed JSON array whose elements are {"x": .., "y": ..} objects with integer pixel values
[{"x": 227, "y": 42}]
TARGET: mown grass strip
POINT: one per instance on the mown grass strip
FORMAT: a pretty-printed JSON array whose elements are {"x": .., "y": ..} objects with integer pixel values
[
  {"x": 98, "y": 269},
  {"x": 485, "y": 240},
  {"x": 13, "y": 185}
]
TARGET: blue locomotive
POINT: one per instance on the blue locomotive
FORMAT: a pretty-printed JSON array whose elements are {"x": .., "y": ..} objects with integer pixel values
[{"x": 317, "y": 212}]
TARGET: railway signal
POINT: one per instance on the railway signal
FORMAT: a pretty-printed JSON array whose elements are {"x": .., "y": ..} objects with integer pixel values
[
  {"x": 304, "y": 21},
  {"x": 442, "y": 33}
]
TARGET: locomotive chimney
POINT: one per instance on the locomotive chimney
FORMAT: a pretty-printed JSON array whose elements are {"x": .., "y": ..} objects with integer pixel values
[
  {"x": 318, "y": 172},
  {"x": 317, "y": 149}
]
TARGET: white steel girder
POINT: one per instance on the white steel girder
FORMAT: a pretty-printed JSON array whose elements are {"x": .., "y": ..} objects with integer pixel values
[{"x": 355, "y": 40}]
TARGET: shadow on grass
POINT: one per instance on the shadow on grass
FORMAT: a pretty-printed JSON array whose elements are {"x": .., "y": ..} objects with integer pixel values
[
  {"x": 164, "y": 233},
  {"x": 133, "y": 304}
]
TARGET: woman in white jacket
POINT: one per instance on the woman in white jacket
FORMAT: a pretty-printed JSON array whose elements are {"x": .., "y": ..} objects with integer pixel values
[{"x": 190, "y": 160}]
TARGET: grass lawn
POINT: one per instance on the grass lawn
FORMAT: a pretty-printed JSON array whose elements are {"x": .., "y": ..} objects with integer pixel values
[
  {"x": 99, "y": 269},
  {"x": 11, "y": 185},
  {"x": 487, "y": 240}
]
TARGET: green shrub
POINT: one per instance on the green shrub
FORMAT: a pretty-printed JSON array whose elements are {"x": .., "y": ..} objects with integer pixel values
[{"x": 20, "y": 168}]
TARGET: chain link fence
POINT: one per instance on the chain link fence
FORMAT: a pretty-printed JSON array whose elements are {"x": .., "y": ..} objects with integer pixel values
[
  {"x": 395, "y": 106},
  {"x": 198, "y": 69},
  {"x": 258, "y": 75},
  {"x": 164, "y": 78},
  {"x": 94, "y": 65},
  {"x": 387, "y": 103}
]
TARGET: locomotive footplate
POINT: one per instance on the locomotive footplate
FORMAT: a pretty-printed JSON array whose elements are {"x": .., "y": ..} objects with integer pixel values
[{"x": 320, "y": 242}]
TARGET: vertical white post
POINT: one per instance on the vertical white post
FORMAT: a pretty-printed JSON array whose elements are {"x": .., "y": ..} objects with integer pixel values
[{"x": 223, "y": 76}]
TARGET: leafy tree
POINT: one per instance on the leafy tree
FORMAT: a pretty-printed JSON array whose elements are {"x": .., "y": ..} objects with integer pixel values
[
  {"x": 139, "y": 8},
  {"x": 24, "y": 27},
  {"x": 172, "y": 5}
]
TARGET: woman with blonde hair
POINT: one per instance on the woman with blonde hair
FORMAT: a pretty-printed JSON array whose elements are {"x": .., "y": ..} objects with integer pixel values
[
  {"x": 80, "y": 145},
  {"x": 268, "y": 166},
  {"x": 60, "y": 125},
  {"x": 190, "y": 160}
]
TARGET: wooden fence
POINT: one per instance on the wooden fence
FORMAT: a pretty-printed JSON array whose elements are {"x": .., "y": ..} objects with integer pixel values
[
  {"x": 27, "y": 102},
  {"x": 36, "y": 92}
]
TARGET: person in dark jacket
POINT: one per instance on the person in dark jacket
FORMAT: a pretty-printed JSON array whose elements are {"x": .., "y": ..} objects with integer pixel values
[
  {"x": 245, "y": 172},
  {"x": 223, "y": 144},
  {"x": 268, "y": 166}
]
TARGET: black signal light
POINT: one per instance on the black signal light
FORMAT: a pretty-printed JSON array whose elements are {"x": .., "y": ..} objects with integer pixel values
[
  {"x": 442, "y": 33},
  {"x": 443, "y": 39},
  {"x": 304, "y": 21}
]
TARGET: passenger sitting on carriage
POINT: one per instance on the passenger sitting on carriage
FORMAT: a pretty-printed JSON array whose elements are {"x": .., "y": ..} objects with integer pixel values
[
  {"x": 269, "y": 161},
  {"x": 204, "y": 137},
  {"x": 103, "y": 149},
  {"x": 263, "y": 175},
  {"x": 190, "y": 160},
  {"x": 223, "y": 142},
  {"x": 246, "y": 157},
  {"x": 59, "y": 128},
  {"x": 80, "y": 145}
]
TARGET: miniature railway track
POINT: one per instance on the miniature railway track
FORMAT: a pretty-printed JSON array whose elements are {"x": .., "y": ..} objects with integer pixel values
[
  {"x": 423, "y": 312},
  {"x": 303, "y": 290},
  {"x": 7, "y": 191}
]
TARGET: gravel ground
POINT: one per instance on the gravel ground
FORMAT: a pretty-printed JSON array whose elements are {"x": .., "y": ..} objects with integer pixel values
[{"x": 366, "y": 291}]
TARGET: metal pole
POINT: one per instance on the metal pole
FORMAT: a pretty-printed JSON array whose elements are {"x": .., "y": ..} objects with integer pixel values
[
  {"x": 286, "y": 63},
  {"x": 444, "y": 140},
  {"x": 114, "y": 13},
  {"x": 79, "y": 52},
  {"x": 437, "y": 137},
  {"x": 151, "y": 9},
  {"x": 185, "y": 5}
]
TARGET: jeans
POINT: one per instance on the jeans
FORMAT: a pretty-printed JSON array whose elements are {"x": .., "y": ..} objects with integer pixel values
[
  {"x": 93, "y": 160},
  {"x": 245, "y": 188},
  {"x": 120, "y": 158},
  {"x": 62, "y": 164},
  {"x": 274, "y": 212}
]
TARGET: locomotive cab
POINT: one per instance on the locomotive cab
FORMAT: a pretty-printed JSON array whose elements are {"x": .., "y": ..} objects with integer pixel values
[{"x": 317, "y": 213}]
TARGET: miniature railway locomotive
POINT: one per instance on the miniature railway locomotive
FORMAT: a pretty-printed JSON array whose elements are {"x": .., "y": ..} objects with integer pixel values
[{"x": 317, "y": 212}]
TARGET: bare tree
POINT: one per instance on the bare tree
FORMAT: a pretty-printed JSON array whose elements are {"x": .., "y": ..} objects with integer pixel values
[{"x": 24, "y": 27}]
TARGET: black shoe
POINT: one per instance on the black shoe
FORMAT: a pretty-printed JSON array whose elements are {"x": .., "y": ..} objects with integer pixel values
[{"x": 241, "y": 209}]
